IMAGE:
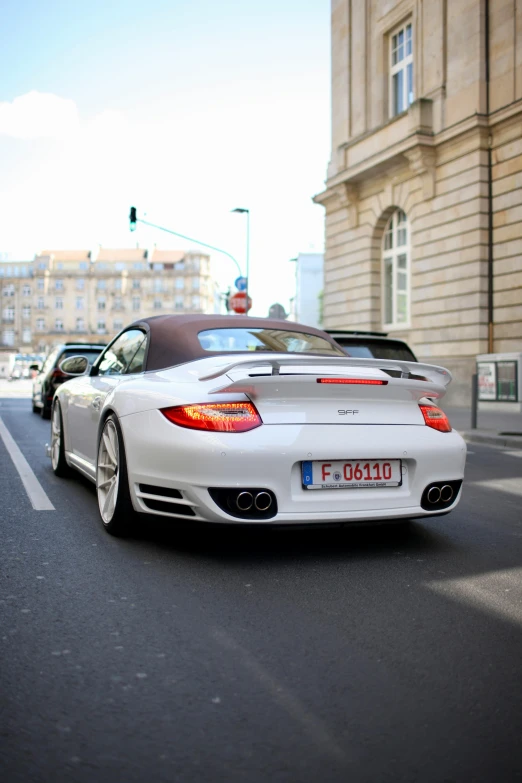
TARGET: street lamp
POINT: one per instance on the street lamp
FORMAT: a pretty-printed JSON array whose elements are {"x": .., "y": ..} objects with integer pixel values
[{"x": 246, "y": 212}]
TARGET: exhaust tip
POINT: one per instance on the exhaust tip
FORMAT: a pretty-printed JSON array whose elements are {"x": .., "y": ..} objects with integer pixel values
[
  {"x": 434, "y": 495},
  {"x": 263, "y": 501},
  {"x": 446, "y": 493},
  {"x": 245, "y": 501}
]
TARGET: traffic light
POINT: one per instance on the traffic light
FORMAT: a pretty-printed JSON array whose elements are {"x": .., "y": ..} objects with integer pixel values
[{"x": 133, "y": 218}]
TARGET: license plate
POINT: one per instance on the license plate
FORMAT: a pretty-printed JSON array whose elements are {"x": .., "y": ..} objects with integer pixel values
[{"x": 352, "y": 474}]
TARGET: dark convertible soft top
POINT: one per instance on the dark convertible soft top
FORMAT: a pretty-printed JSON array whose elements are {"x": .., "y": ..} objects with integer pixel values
[{"x": 173, "y": 339}]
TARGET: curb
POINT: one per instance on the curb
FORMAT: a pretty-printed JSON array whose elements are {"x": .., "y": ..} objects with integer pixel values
[{"x": 512, "y": 441}]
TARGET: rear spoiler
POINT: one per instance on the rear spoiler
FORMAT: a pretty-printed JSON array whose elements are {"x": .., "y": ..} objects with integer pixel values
[{"x": 431, "y": 374}]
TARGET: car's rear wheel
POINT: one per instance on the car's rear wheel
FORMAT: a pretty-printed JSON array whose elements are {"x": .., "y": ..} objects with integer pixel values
[
  {"x": 58, "y": 461},
  {"x": 112, "y": 482}
]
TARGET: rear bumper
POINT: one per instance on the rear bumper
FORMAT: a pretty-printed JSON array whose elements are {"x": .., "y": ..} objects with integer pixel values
[{"x": 161, "y": 454}]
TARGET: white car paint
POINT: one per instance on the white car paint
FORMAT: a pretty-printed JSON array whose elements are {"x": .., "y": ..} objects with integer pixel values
[{"x": 302, "y": 420}]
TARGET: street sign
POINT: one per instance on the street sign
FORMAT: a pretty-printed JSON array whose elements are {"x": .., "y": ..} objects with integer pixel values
[
  {"x": 237, "y": 302},
  {"x": 241, "y": 283}
]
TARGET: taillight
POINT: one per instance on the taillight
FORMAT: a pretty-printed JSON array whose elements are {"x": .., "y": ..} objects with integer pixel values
[
  {"x": 362, "y": 381},
  {"x": 58, "y": 375},
  {"x": 215, "y": 416},
  {"x": 436, "y": 418}
]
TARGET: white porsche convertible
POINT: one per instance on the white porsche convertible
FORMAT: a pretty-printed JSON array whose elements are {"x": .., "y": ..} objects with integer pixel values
[{"x": 239, "y": 419}]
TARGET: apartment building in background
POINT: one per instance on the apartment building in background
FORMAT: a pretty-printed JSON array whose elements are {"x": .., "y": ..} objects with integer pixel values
[
  {"x": 306, "y": 305},
  {"x": 64, "y": 295},
  {"x": 423, "y": 196}
]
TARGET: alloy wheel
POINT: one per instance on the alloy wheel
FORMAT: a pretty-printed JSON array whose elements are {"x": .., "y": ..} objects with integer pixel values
[
  {"x": 107, "y": 478},
  {"x": 56, "y": 436}
]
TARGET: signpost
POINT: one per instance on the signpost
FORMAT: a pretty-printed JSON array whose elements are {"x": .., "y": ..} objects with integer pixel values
[
  {"x": 241, "y": 283},
  {"x": 237, "y": 302}
]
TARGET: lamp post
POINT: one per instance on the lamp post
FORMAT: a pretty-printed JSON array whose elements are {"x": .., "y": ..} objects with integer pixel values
[{"x": 246, "y": 212}]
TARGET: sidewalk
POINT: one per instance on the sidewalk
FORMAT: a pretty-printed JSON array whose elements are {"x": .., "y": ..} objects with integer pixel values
[{"x": 494, "y": 428}]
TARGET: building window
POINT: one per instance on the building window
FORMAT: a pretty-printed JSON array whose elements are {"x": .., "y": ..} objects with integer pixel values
[
  {"x": 158, "y": 284},
  {"x": 59, "y": 265},
  {"x": 79, "y": 302},
  {"x": 83, "y": 265},
  {"x": 8, "y": 337},
  {"x": 9, "y": 313},
  {"x": 119, "y": 267},
  {"x": 26, "y": 335},
  {"x": 401, "y": 69},
  {"x": 58, "y": 285},
  {"x": 118, "y": 284},
  {"x": 180, "y": 283},
  {"x": 157, "y": 267},
  {"x": 139, "y": 265},
  {"x": 135, "y": 284},
  {"x": 58, "y": 325},
  {"x": 195, "y": 283},
  {"x": 396, "y": 271},
  {"x": 117, "y": 325},
  {"x": 26, "y": 311},
  {"x": 158, "y": 304},
  {"x": 80, "y": 325},
  {"x": 8, "y": 290},
  {"x": 26, "y": 290},
  {"x": 40, "y": 303},
  {"x": 118, "y": 303},
  {"x": 58, "y": 303},
  {"x": 40, "y": 324},
  {"x": 135, "y": 303},
  {"x": 40, "y": 284},
  {"x": 101, "y": 303},
  {"x": 80, "y": 284},
  {"x": 42, "y": 265},
  {"x": 178, "y": 303},
  {"x": 100, "y": 327},
  {"x": 195, "y": 301}
]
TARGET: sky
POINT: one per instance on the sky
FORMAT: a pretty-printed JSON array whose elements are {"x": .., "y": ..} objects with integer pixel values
[{"x": 185, "y": 109}]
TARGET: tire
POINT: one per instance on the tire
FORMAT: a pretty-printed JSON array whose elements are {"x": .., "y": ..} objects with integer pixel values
[
  {"x": 36, "y": 409},
  {"x": 45, "y": 412},
  {"x": 58, "y": 461},
  {"x": 112, "y": 481}
]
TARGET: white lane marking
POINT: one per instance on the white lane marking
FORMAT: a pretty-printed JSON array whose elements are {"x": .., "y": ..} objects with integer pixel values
[
  {"x": 312, "y": 725},
  {"x": 499, "y": 592},
  {"x": 513, "y": 486},
  {"x": 514, "y": 453},
  {"x": 34, "y": 489}
]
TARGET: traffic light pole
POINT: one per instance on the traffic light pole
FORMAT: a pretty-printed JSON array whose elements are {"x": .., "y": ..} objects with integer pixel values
[{"x": 182, "y": 236}]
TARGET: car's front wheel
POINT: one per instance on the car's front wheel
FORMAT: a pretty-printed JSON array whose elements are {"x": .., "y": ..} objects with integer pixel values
[
  {"x": 58, "y": 461},
  {"x": 112, "y": 482}
]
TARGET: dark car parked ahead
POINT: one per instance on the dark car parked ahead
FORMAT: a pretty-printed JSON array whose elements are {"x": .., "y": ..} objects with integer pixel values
[
  {"x": 50, "y": 376},
  {"x": 368, "y": 345}
]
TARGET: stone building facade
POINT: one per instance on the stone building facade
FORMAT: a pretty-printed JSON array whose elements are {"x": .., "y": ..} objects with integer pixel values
[
  {"x": 65, "y": 295},
  {"x": 423, "y": 196}
]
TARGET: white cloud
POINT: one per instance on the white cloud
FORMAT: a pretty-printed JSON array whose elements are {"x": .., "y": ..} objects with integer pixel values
[{"x": 39, "y": 115}]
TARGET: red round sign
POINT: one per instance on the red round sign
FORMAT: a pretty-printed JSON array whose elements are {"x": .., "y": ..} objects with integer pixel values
[{"x": 237, "y": 302}]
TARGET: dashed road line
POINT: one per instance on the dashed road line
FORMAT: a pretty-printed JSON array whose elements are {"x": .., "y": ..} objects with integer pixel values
[{"x": 34, "y": 489}]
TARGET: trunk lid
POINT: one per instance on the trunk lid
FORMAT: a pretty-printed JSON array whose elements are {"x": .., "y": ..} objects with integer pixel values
[{"x": 315, "y": 390}]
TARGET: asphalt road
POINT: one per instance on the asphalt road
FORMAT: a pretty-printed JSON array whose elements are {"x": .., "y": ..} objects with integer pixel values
[{"x": 239, "y": 655}]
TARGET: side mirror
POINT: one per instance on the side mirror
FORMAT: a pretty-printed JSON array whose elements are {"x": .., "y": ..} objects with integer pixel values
[{"x": 74, "y": 366}]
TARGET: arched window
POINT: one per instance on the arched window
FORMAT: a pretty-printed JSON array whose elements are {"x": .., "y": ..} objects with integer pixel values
[{"x": 396, "y": 271}]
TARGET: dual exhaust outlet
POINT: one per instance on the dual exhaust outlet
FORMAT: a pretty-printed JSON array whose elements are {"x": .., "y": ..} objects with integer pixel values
[
  {"x": 440, "y": 494},
  {"x": 260, "y": 501}
]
